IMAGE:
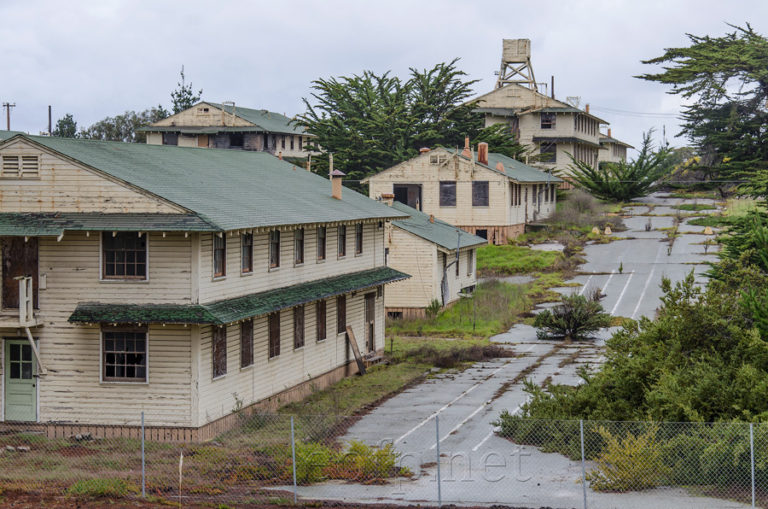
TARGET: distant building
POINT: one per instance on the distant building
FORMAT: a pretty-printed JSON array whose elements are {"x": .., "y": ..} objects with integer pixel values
[
  {"x": 488, "y": 194},
  {"x": 214, "y": 125},
  {"x": 611, "y": 149},
  {"x": 426, "y": 248}
]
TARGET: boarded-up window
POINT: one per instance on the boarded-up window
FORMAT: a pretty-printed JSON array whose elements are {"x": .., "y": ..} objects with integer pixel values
[
  {"x": 448, "y": 194},
  {"x": 298, "y": 246},
  {"x": 320, "y": 319},
  {"x": 219, "y": 256},
  {"x": 548, "y": 120},
  {"x": 359, "y": 238},
  {"x": 342, "y": 241},
  {"x": 480, "y": 193},
  {"x": 274, "y": 249},
  {"x": 219, "y": 351},
  {"x": 321, "y": 235},
  {"x": 298, "y": 327},
  {"x": 246, "y": 343},
  {"x": 124, "y": 354},
  {"x": 341, "y": 314},
  {"x": 124, "y": 255},
  {"x": 246, "y": 248},
  {"x": 274, "y": 334}
]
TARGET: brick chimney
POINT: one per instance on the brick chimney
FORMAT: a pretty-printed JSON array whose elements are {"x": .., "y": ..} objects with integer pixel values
[
  {"x": 388, "y": 198},
  {"x": 482, "y": 153},
  {"x": 609, "y": 133},
  {"x": 586, "y": 108},
  {"x": 431, "y": 218},
  {"x": 424, "y": 150},
  {"x": 280, "y": 155},
  {"x": 500, "y": 166},
  {"x": 336, "y": 177},
  {"x": 466, "y": 152}
]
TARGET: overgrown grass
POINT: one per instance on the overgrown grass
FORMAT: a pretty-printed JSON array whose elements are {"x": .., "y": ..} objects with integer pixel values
[
  {"x": 713, "y": 220},
  {"x": 712, "y": 195},
  {"x": 97, "y": 488},
  {"x": 695, "y": 206},
  {"x": 737, "y": 207},
  {"x": 493, "y": 308},
  {"x": 509, "y": 259}
]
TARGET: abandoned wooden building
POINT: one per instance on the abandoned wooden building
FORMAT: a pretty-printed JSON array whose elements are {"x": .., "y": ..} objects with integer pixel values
[
  {"x": 214, "y": 125},
  {"x": 185, "y": 283},
  {"x": 440, "y": 257},
  {"x": 611, "y": 149},
  {"x": 484, "y": 193}
]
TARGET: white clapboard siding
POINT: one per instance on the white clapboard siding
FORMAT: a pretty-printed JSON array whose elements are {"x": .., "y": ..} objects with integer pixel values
[
  {"x": 64, "y": 186},
  {"x": 415, "y": 256}
]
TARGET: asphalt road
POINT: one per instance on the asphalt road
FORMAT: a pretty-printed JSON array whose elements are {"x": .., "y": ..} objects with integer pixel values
[{"x": 477, "y": 466}]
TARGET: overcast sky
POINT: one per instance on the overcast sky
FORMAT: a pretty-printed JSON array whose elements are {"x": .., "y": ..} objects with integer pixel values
[{"x": 100, "y": 58}]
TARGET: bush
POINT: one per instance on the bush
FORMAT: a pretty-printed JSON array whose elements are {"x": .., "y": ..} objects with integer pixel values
[
  {"x": 576, "y": 317},
  {"x": 365, "y": 463},
  {"x": 311, "y": 461},
  {"x": 509, "y": 259},
  {"x": 102, "y": 488},
  {"x": 433, "y": 309},
  {"x": 632, "y": 463}
]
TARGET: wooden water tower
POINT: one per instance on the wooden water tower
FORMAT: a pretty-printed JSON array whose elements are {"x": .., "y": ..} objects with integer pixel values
[{"x": 516, "y": 64}]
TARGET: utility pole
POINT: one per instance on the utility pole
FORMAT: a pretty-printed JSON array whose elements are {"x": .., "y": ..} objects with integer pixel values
[{"x": 8, "y": 107}]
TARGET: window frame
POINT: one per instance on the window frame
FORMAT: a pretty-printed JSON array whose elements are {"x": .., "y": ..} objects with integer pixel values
[
  {"x": 321, "y": 321},
  {"x": 359, "y": 238},
  {"x": 103, "y": 263},
  {"x": 299, "y": 327},
  {"x": 223, "y": 250},
  {"x": 322, "y": 243},
  {"x": 548, "y": 120},
  {"x": 551, "y": 148},
  {"x": 103, "y": 352},
  {"x": 477, "y": 184},
  {"x": 274, "y": 249},
  {"x": 168, "y": 137},
  {"x": 23, "y": 168},
  {"x": 341, "y": 241},
  {"x": 215, "y": 340},
  {"x": 273, "y": 333},
  {"x": 299, "y": 242},
  {"x": 341, "y": 314},
  {"x": 445, "y": 184},
  {"x": 246, "y": 343},
  {"x": 470, "y": 262},
  {"x": 243, "y": 256}
]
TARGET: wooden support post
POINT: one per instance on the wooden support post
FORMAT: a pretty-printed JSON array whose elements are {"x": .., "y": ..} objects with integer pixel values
[{"x": 353, "y": 343}]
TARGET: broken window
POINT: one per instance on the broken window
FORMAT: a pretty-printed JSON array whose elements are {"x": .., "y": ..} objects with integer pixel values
[
  {"x": 448, "y": 193},
  {"x": 124, "y": 255},
  {"x": 480, "y": 193},
  {"x": 548, "y": 120},
  {"x": 236, "y": 140},
  {"x": 124, "y": 354},
  {"x": 548, "y": 152},
  {"x": 219, "y": 351}
]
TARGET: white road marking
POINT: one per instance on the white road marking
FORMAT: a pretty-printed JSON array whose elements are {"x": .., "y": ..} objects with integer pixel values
[
  {"x": 647, "y": 282},
  {"x": 586, "y": 283},
  {"x": 623, "y": 291},
  {"x": 462, "y": 423},
  {"x": 454, "y": 400},
  {"x": 602, "y": 290},
  {"x": 493, "y": 430}
]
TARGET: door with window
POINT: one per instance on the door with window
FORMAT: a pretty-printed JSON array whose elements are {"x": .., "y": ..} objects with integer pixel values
[
  {"x": 370, "y": 321},
  {"x": 20, "y": 381},
  {"x": 409, "y": 194},
  {"x": 19, "y": 259}
]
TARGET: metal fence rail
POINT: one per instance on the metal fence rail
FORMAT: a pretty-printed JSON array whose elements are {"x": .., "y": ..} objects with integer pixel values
[{"x": 528, "y": 463}]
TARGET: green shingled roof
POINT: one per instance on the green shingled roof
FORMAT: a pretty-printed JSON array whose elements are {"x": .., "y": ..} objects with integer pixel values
[
  {"x": 46, "y": 224},
  {"x": 229, "y": 189},
  {"x": 269, "y": 121},
  {"x": 514, "y": 169},
  {"x": 238, "y": 308},
  {"x": 608, "y": 139},
  {"x": 565, "y": 139},
  {"x": 439, "y": 232}
]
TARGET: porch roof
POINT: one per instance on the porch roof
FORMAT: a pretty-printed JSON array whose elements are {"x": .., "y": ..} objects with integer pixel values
[
  {"x": 33, "y": 224},
  {"x": 238, "y": 308}
]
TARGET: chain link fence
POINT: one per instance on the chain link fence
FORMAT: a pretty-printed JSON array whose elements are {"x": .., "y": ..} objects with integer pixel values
[{"x": 275, "y": 458}]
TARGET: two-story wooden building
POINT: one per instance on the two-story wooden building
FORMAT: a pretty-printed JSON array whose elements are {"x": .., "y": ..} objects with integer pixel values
[
  {"x": 214, "y": 125},
  {"x": 186, "y": 283},
  {"x": 440, "y": 258},
  {"x": 488, "y": 194},
  {"x": 611, "y": 149}
]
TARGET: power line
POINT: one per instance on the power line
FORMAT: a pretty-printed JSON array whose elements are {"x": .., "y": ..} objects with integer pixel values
[{"x": 644, "y": 114}]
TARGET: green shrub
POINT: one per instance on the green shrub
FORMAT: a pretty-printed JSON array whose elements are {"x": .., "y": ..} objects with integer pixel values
[
  {"x": 576, "y": 317},
  {"x": 509, "y": 259},
  {"x": 102, "y": 488},
  {"x": 371, "y": 462},
  {"x": 635, "y": 462},
  {"x": 311, "y": 461},
  {"x": 433, "y": 309}
]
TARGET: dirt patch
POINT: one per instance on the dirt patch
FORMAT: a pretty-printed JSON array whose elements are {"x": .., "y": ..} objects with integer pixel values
[{"x": 75, "y": 451}]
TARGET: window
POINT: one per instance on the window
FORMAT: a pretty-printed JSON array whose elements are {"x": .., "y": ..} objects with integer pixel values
[
  {"x": 342, "y": 230},
  {"x": 292, "y": 140},
  {"x": 548, "y": 152},
  {"x": 219, "y": 351},
  {"x": 219, "y": 256},
  {"x": 483, "y": 234},
  {"x": 516, "y": 194},
  {"x": 321, "y": 235},
  {"x": 246, "y": 343},
  {"x": 552, "y": 193},
  {"x": 534, "y": 193},
  {"x": 320, "y": 319},
  {"x": 236, "y": 140},
  {"x": 359, "y": 238},
  {"x": 341, "y": 314},
  {"x": 274, "y": 249},
  {"x": 282, "y": 141},
  {"x": 457, "y": 267},
  {"x": 170, "y": 138},
  {"x": 124, "y": 355},
  {"x": 448, "y": 194},
  {"x": 20, "y": 167},
  {"x": 480, "y": 193},
  {"x": 301, "y": 143},
  {"x": 298, "y": 327},
  {"x": 246, "y": 253},
  {"x": 298, "y": 246},
  {"x": 274, "y": 334},
  {"x": 124, "y": 255},
  {"x": 470, "y": 262},
  {"x": 437, "y": 159},
  {"x": 548, "y": 120}
]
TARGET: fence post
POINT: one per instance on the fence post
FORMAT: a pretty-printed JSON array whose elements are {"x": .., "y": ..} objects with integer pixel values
[
  {"x": 437, "y": 438},
  {"x": 752, "y": 459},
  {"x": 583, "y": 466},
  {"x": 143, "y": 460},
  {"x": 293, "y": 462}
]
